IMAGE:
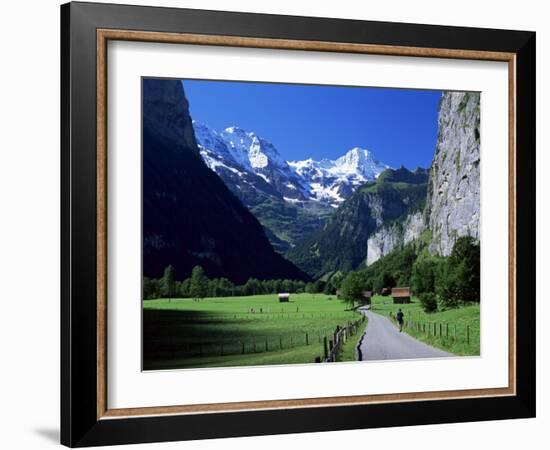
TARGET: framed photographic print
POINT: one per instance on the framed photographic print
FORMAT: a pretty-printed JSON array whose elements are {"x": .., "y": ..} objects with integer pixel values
[{"x": 276, "y": 224}]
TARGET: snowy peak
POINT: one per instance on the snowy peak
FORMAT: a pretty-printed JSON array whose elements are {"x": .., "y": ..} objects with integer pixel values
[
  {"x": 354, "y": 158},
  {"x": 328, "y": 182},
  {"x": 331, "y": 182},
  {"x": 359, "y": 161},
  {"x": 242, "y": 147}
]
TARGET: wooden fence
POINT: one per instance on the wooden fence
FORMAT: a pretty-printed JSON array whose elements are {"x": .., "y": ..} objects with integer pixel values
[
  {"x": 328, "y": 340},
  {"x": 259, "y": 344},
  {"x": 333, "y": 346},
  {"x": 444, "y": 330}
]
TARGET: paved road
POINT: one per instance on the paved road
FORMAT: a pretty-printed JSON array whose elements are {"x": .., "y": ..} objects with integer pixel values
[{"x": 382, "y": 340}]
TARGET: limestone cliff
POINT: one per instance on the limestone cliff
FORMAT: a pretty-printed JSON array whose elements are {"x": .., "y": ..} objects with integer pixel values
[
  {"x": 452, "y": 205},
  {"x": 388, "y": 237}
]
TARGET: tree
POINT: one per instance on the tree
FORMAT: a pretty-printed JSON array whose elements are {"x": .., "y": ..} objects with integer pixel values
[
  {"x": 213, "y": 288},
  {"x": 252, "y": 287},
  {"x": 384, "y": 280},
  {"x": 329, "y": 289},
  {"x": 168, "y": 283},
  {"x": 459, "y": 280},
  {"x": 428, "y": 301},
  {"x": 336, "y": 280},
  {"x": 268, "y": 286},
  {"x": 352, "y": 288},
  {"x": 150, "y": 288},
  {"x": 318, "y": 286},
  {"x": 288, "y": 286},
  {"x": 424, "y": 273},
  {"x": 199, "y": 283},
  {"x": 278, "y": 286},
  {"x": 226, "y": 287},
  {"x": 185, "y": 287}
]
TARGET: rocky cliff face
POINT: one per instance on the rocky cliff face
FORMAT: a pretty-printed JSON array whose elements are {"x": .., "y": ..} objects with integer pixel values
[
  {"x": 452, "y": 206},
  {"x": 401, "y": 232}
]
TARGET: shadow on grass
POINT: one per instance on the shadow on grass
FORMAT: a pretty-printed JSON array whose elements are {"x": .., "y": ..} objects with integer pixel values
[{"x": 179, "y": 334}]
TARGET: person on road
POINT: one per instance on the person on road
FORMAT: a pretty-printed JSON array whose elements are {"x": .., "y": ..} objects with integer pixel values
[{"x": 399, "y": 316}]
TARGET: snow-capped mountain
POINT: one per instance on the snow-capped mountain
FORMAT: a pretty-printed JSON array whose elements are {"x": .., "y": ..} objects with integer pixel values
[
  {"x": 334, "y": 181},
  {"x": 237, "y": 154},
  {"x": 246, "y": 154}
]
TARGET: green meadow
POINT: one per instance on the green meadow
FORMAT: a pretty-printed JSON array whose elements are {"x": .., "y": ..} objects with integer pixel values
[
  {"x": 454, "y": 330},
  {"x": 235, "y": 331}
]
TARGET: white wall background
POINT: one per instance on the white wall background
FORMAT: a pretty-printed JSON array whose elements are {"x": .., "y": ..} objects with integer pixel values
[{"x": 29, "y": 222}]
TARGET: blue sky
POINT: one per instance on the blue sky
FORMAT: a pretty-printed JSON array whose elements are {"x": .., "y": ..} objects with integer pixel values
[{"x": 399, "y": 126}]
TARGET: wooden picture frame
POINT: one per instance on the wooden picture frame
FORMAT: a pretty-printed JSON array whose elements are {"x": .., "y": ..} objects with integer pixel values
[{"x": 86, "y": 418}]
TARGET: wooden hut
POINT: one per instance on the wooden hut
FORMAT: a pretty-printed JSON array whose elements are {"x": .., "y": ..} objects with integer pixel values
[
  {"x": 367, "y": 297},
  {"x": 385, "y": 292},
  {"x": 401, "y": 294},
  {"x": 284, "y": 297}
]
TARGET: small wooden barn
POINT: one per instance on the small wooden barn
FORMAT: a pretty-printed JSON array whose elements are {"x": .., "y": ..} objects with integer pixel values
[
  {"x": 284, "y": 297},
  {"x": 385, "y": 292},
  {"x": 367, "y": 297},
  {"x": 401, "y": 294}
]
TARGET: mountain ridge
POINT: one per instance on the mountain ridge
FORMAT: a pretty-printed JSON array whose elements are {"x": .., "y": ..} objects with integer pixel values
[
  {"x": 325, "y": 181},
  {"x": 223, "y": 237},
  {"x": 342, "y": 243}
]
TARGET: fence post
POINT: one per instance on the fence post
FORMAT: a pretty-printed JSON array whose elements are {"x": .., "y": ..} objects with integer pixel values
[
  {"x": 243, "y": 348},
  {"x": 307, "y": 339},
  {"x": 455, "y": 332},
  {"x": 440, "y": 329},
  {"x": 280, "y": 342},
  {"x": 435, "y": 329},
  {"x": 325, "y": 346},
  {"x": 467, "y": 334},
  {"x": 447, "y": 330}
]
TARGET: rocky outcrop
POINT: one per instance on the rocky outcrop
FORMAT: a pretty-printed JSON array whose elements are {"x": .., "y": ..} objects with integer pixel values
[
  {"x": 452, "y": 206},
  {"x": 394, "y": 235}
]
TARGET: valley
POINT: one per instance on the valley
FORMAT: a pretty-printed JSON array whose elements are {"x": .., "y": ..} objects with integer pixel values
[{"x": 230, "y": 225}]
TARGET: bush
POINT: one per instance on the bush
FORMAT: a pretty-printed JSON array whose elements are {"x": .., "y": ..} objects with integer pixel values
[{"x": 428, "y": 301}]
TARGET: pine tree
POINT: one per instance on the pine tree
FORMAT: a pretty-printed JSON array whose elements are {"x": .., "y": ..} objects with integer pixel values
[
  {"x": 199, "y": 283},
  {"x": 168, "y": 283}
]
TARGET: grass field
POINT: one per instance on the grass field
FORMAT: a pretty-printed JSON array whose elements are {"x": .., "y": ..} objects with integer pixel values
[
  {"x": 235, "y": 331},
  {"x": 451, "y": 326}
]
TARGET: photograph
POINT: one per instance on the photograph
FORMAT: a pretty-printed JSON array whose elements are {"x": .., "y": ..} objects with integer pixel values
[
  {"x": 302, "y": 224},
  {"x": 280, "y": 222}
]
